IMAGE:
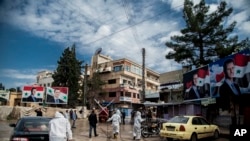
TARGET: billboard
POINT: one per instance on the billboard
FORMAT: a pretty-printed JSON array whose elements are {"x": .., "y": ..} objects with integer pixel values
[
  {"x": 32, "y": 94},
  {"x": 230, "y": 82},
  {"x": 196, "y": 84},
  {"x": 231, "y": 74},
  {"x": 4, "y": 95},
  {"x": 56, "y": 95}
]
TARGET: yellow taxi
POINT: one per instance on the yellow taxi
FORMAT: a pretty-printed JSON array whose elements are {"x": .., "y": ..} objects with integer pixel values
[{"x": 188, "y": 128}]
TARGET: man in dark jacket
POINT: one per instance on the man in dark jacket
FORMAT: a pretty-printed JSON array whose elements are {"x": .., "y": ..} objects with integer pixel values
[
  {"x": 92, "y": 123},
  {"x": 39, "y": 112}
]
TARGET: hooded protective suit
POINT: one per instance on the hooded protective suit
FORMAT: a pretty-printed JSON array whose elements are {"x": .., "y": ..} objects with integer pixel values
[
  {"x": 59, "y": 128},
  {"x": 137, "y": 125},
  {"x": 116, "y": 120}
]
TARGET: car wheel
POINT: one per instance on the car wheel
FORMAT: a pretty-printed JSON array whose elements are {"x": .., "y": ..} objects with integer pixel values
[
  {"x": 193, "y": 137},
  {"x": 216, "y": 134},
  {"x": 144, "y": 133}
]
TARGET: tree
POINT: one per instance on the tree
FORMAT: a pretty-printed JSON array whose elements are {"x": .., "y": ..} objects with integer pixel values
[
  {"x": 68, "y": 74},
  {"x": 94, "y": 89},
  {"x": 204, "y": 38}
]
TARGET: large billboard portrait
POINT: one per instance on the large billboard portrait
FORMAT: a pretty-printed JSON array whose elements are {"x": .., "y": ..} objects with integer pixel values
[
  {"x": 231, "y": 75},
  {"x": 57, "y": 95},
  {"x": 196, "y": 84},
  {"x": 32, "y": 94}
]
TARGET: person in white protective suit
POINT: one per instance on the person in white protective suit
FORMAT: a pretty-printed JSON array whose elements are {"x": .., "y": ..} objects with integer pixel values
[
  {"x": 59, "y": 128},
  {"x": 137, "y": 126},
  {"x": 116, "y": 120}
]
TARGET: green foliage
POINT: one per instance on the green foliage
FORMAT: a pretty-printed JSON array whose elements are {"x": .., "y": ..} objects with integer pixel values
[
  {"x": 12, "y": 90},
  {"x": 204, "y": 38},
  {"x": 94, "y": 89},
  {"x": 68, "y": 74}
]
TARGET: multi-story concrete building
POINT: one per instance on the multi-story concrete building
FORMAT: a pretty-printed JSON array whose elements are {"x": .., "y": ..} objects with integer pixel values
[
  {"x": 44, "y": 78},
  {"x": 123, "y": 80}
]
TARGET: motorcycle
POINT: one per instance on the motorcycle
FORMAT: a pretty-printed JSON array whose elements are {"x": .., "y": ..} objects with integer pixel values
[{"x": 151, "y": 128}]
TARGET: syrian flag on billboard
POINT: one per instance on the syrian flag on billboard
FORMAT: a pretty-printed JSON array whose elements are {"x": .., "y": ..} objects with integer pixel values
[
  {"x": 219, "y": 78},
  {"x": 27, "y": 91},
  {"x": 248, "y": 66},
  {"x": 63, "y": 95},
  {"x": 5, "y": 94},
  {"x": 207, "y": 77},
  {"x": 201, "y": 77},
  {"x": 241, "y": 62},
  {"x": 188, "y": 86}
]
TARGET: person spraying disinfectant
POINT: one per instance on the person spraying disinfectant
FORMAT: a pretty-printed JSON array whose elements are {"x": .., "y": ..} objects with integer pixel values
[
  {"x": 137, "y": 126},
  {"x": 116, "y": 120}
]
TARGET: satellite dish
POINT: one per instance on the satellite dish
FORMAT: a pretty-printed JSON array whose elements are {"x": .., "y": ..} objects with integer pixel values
[{"x": 98, "y": 51}]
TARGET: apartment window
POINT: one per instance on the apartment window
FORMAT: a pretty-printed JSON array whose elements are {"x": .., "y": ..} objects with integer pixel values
[
  {"x": 112, "y": 94},
  {"x": 127, "y": 68},
  {"x": 134, "y": 95},
  {"x": 112, "y": 81},
  {"x": 117, "y": 68},
  {"x": 122, "y": 94},
  {"x": 124, "y": 81},
  {"x": 128, "y": 94},
  {"x": 138, "y": 96}
]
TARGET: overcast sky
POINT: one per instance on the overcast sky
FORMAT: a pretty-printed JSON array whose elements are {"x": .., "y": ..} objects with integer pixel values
[{"x": 34, "y": 33}]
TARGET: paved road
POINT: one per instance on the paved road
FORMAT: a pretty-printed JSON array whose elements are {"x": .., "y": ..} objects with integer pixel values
[{"x": 80, "y": 133}]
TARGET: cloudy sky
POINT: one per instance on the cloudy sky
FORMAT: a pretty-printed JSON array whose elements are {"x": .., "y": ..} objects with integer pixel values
[{"x": 34, "y": 33}]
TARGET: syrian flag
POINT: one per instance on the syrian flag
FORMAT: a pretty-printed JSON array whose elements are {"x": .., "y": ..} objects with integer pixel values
[
  {"x": 27, "y": 91},
  {"x": 188, "y": 86},
  {"x": 219, "y": 78},
  {"x": 248, "y": 66},
  {"x": 63, "y": 95},
  {"x": 5, "y": 94},
  {"x": 201, "y": 77},
  {"x": 207, "y": 77},
  {"x": 241, "y": 62}
]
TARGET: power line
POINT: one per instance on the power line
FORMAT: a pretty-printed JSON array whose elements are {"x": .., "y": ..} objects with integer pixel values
[{"x": 160, "y": 13}]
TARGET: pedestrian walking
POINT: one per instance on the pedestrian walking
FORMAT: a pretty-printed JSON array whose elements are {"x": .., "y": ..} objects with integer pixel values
[
  {"x": 123, "y": 117},
  {"x": 39, "y": 112},
  {"x": 67, "y": 114},
  {"x": 73, "y": 117},
  {"x": 59, "y": 128},
  {"x": 92, "y": 123},
  {"x": 116, "y": 120},
  {"x": 137, "y": 126}
]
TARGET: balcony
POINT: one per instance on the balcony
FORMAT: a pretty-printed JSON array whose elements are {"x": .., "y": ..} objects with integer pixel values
[
  {"x": 105, "y": 70},
  {"x": 126, "y": 99}
]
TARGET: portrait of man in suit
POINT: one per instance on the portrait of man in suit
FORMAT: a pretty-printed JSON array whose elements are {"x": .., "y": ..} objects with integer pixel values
[
  {"x": 55, "y": 99},
  {"x": 194, "y": 92},
  {"x": 229, "y": 91},
  {"x": 32, "y": 97}
]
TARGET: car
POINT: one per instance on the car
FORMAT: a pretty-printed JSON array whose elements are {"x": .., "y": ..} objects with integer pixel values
[
  {"x": 188, "y": 128},
  {"x": 30, "y": 129}
]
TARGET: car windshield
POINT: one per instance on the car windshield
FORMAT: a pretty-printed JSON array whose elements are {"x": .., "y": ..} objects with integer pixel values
[
  {"x": 178, "y": 119},
  {"x": 35, "y": 125}
]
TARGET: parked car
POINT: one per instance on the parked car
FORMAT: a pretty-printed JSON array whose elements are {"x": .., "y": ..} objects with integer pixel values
[
  {"x": 188, "y": 128},
  {"x": 30, "y": 129}
]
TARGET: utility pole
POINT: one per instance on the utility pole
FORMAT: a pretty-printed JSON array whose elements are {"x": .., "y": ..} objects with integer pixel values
[
  {"x": 143, "y": 74},
  {"x": 85, "y": 84}
]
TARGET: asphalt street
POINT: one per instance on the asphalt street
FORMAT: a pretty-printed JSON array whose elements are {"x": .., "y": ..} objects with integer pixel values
[{"x": 81, "y": 132}]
